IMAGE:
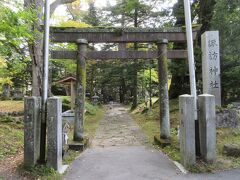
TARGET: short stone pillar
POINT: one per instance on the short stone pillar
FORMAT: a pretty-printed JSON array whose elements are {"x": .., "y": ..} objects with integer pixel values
[
  {"x": 54, "y": 129},
  {"x": 207, "y": 127},
  {"x": 211, "y": 65},
  {"x": 187, "y": 130},
  {"x": 32, "y": 124},
  {"x": 80, "y": 90},
  {"x": 163, "y": 89}
]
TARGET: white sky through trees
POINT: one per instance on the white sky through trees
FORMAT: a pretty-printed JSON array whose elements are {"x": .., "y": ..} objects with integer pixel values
[{"x": 61, "y": 14}]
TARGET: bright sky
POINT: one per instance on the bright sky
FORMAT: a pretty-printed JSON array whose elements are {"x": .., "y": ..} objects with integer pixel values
[{"x": 61, "y": 10}]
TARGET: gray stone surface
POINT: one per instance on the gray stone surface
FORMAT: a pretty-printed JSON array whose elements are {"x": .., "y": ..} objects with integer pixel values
[
  {"x": 187, "y": 130},
  {"x": 211, "y": 65},
  {"x": 122, "y": 162},
  {"x": 163, "y": 89},
  {"x": 31, "y": 130},
  {"x": 227, "y": 118},
  {"x": 78, "y": 134},
  {"x": 54, "y": 129},
  {"x": 207, "y": 127},
  {"x": 68, "y": 116},
  {"x": 231, "y": 150}
]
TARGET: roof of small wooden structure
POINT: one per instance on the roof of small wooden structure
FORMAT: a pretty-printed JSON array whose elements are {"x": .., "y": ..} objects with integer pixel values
[{"x": 67, "y": 80}]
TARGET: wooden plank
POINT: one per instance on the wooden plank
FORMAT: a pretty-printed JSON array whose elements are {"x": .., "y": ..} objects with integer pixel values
[
  {"x": 106, "y": 55},
  {"x": 118, "y": 35}
]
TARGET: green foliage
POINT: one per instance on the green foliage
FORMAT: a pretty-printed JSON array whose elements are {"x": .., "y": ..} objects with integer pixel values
[
  {"x": 91, "y": 109},
  {"x": 15, "y": 32},
  {"x": 226, "y": 19},
  {"x": 92, "y": 15}
]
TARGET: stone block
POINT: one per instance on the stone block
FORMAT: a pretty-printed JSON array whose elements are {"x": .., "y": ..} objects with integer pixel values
[
  {"x": 32, "y": 124},
  {"x": 187, "y": 130},
  {"x": 207, "y": 127},
  {"x": 162, "y": 142},
  {"x": 79, "y": 146},
  {"x": 211, "y": 65},
  {"x": 54, "y": 129},
  {"x": 227, "y": 118},
  {"x": 231, "y": 150}
]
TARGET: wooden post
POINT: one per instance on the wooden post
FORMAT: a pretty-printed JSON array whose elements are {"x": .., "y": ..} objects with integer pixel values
[
  {"x": 80, "y": 89},
  {"x": 73, "y": 96},
  {"x": 163, "y": 89}
]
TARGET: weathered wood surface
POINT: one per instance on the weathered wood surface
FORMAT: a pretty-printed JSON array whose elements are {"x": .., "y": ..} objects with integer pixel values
[
  {"x": 118, "y": 35},
  {"x": 106, "y": 55}
]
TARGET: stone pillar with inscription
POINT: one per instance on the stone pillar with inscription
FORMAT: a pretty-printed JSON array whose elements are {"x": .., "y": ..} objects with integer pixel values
[
  {"x": 211, "y": 65},
  {"x": 187, "y": 130},
  {"x": 54, "y": 129},
  {"x": 32, "y": 106}
]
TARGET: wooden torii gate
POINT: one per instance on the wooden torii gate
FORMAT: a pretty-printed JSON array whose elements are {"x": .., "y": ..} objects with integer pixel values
[{"x": 83, "y": 36}]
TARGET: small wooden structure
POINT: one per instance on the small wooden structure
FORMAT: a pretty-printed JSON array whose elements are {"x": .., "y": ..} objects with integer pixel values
[{"x": 70, "y": 81}]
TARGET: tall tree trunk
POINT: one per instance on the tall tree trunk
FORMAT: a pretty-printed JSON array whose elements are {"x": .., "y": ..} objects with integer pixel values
[
  {"x": 150, "y": 85},
  {"x": 205, "y": 16},
  {"x": 135, "y": 66},
  {"x": 35, "y": 48},
  {"x": 122, "y": 90}
]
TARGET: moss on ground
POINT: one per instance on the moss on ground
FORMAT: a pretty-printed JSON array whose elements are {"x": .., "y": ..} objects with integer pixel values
[
  {"x": 149, "y": 122},
  {"x": 11, "y": 135}
]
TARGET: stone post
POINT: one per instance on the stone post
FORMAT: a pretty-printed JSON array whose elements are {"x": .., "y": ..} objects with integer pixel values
[
  {"x": 207, "y": 127},
  {"x": 80, "y": 90},
  {"x": 211, "y": 65},
  {"x": 163, "y": 89},
  {"x": 187, "y": 130},
  {"x": 54, "y": 129},
  {"x": 32, "y": 124}
]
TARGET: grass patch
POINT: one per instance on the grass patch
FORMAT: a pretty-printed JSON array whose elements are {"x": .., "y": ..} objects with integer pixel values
[
  {"x": 92, "y": 120},
  {"x": 70, "y": 157},
  {"x": 11, "y": 135},
  {"x": 149, "y": 122},
  {"x": 39, "y": 172},
  {"x": 10, "y": 106},
  {"x": 93, "y": 116}
]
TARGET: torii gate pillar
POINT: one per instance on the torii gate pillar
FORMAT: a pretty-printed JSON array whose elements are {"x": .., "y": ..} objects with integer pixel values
[
  {"x": 163, "y": 89},
  {"x": 80, "y": 90}
]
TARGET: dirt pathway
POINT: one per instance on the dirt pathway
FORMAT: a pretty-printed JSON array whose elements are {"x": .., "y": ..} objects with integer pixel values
[{"x": 118, "y": 129}]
